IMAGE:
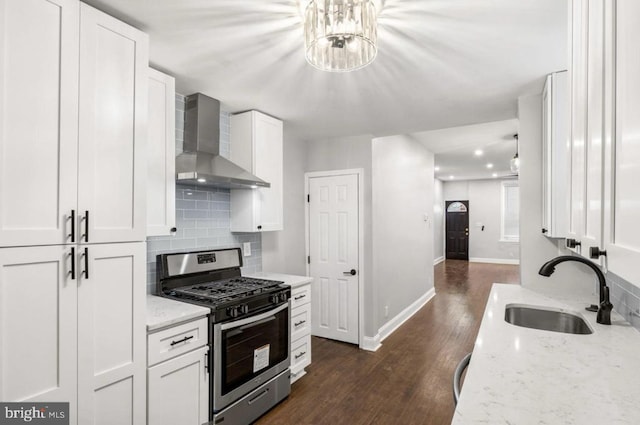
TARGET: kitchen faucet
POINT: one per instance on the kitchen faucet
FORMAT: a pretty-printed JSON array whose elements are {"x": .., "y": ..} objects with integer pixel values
[{"x": 605, "y": 306}]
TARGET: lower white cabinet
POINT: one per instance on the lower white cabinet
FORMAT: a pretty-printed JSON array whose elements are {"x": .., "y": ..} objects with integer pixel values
[
  {"x": 72, "y": 328},
  {"x": 300, "y": 330},
  {"x": 178, "y": 376}
]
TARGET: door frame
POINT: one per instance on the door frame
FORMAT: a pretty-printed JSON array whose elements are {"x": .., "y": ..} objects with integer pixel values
[{"x": 358, "y": 172}]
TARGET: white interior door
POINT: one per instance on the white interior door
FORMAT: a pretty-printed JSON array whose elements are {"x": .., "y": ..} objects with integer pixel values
[{"x": 333, "y": 251}]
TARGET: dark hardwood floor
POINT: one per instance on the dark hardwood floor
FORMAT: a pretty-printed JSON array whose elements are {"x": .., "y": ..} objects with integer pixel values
[{"x": 408, "y": 380}]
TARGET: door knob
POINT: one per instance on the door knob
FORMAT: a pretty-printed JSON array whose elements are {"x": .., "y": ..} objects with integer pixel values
[{"x": 351, "y": 272}]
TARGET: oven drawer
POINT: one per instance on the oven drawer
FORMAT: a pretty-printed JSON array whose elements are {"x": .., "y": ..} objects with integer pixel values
[
  {"x": 176, "y": 340},
  {"x": 300, "y": 321},
  {"x": 300, "y": 354},
  {"x": 300, "y": 296}
]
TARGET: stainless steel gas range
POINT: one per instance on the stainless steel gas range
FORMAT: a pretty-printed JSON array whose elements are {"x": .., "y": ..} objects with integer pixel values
[{"x": 248, "y": 330}]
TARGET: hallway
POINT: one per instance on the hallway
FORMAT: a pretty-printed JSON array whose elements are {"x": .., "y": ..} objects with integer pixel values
[{"x": 408, "y": 380}]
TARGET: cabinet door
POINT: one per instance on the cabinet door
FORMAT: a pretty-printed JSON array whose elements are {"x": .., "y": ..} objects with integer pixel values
[
  {"x": 111, "y": 334},
  {"x": 38, "y": 120},
  {"x": 593, "y": 148},
  {"x": 161, "y": 158},
  {"x": 268, "y": 166},
  {"x": 578, "y": 83},
  {"x": 113, "y": 120},
  {"x": 38, "y": 354},
  {"x": 622, "y": 196},
  {"x": 546, "y": 157},
  {"x": 179, "y": 390}
]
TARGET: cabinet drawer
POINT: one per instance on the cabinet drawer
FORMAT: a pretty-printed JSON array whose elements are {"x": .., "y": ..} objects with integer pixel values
[
  {"x": 300, "y": 322},
  {"x": 300, "y": 353},
  {"x": 300, "y": 296},
  {"x": 176, "y": 340}
]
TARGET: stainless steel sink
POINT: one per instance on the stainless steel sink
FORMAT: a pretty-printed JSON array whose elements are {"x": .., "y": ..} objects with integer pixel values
[{"x": 546, "y": 318}]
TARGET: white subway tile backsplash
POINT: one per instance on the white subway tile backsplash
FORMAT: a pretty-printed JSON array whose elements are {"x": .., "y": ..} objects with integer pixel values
[{"x": 202, "y": 215}]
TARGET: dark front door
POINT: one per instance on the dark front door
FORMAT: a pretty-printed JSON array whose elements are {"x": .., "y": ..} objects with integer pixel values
[{"x": 457, "y": 228}]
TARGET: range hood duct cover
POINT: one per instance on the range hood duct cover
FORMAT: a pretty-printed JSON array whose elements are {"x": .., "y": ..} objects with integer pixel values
[{"x": 201, "y": 163}]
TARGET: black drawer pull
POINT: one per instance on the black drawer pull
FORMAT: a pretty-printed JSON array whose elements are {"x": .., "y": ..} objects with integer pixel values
[
  {"x": 297, "y": 356},
  {"x": 186, "y": 338},
  {"x": 73, "y": 226},
  {"x": 86, "y": 226},
  {"x": 86, "y": 263},
  {"x": 72, "y": 272},
  {"x": 300, "y": 323},
  {"x": 299, "y": 297}
]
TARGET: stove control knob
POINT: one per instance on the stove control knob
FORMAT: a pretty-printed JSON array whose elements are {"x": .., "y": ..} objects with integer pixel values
[
  {"x": 244, "y": 309},
  {"x": 232, "y": 311},
  {"x": 283, "y": 297},
  {"x": 273, "y": 299}
]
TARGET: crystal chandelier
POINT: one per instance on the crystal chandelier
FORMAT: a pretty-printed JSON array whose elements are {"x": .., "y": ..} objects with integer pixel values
[{"x": 340, "y": 35}]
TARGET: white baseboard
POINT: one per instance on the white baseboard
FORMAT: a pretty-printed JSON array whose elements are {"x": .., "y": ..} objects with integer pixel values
[
  {"x": 371, "y": 343},
  {"x": 494, "y": 260},
  {"x": 438, "y": 260}
]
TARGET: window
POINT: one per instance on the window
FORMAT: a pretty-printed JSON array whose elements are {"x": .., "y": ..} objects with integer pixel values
[{"x": 510, "y": 216}]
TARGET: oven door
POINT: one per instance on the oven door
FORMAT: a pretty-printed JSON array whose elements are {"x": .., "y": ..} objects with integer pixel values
[{"x": 248, "y": 352}]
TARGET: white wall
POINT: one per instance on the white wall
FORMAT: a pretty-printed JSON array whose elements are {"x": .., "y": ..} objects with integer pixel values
[
  {"x": 403, "y": 193},
  {"x": 438, "y": 220},
  {"x": 284, "y": 251},
  {"x": 484, "y": 198}
]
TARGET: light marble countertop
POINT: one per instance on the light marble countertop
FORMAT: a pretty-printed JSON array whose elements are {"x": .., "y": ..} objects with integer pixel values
[
  {"x": 163, "y": 312},
  {"x": 526, "y": 376},
  {"x": 289, "y": 279}
]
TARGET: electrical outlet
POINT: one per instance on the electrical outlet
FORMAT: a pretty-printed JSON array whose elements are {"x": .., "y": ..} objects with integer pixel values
[
  {"x": 386, "y": 311},
  {"x": 246, "y": 249}
]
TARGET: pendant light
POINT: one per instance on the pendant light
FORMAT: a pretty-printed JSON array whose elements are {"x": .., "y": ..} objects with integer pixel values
[
  {"x": 515, "y": 161},
  {"x": 340, "y": 35}
]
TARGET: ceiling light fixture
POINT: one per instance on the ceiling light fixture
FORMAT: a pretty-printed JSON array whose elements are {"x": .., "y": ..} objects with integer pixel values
[
  {"x": 489, "y": 165},
  {"x": 494, "y": 175},
  {"x": 451, "y": 177},
  {"x": 478, "y": 152},
  {"x": 515, "y": 161},
  {"x": 340, "y": 35},
  {"x": 437, "y": 168}
]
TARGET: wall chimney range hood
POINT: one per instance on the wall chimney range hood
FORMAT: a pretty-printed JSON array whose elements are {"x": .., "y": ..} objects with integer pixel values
[{"x": 201, "y": 163}]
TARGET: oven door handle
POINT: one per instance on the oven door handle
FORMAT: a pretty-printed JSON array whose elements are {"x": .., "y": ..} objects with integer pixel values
[{"x": 252, "y": 319}]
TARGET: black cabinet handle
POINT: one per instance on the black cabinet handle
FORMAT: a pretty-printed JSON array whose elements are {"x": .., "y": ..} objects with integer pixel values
[
  {"x": 299, "y": 297},
  {"x": 351, "y": 272},
  {"x": 544, "y": 230},
  {"x": 86, "y": 263},
  {"x": 572, "y": 243},
  {"x": 300, "y": 323},
  {"x": 86, "y": 226},
  {"x": 259, "y": 227},
  {"x": 73, "y": 264},
  {"x": 594, "y": 252},
  {"x": 73, "y": 226},
  {"x": 206, "y": 362},
  {"x": 173, "y": 229},
  {"x": 297, "y": 356},
  {"x": 186, "y": 338}
]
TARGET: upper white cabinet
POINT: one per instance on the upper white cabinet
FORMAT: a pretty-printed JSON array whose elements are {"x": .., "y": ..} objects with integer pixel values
[
  {"x": 72, "y": 125},
  {"x": 606, "y": 161},
  {"x": 256, "y": 145},
  {"x": 622, "y": 138},
  {"x": 161, "y": 161},
  {"x": 38, "y": 120},
  {"x": 555, "y": 155}
]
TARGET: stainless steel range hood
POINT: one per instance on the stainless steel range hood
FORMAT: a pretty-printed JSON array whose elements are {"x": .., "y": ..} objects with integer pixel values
[{"x": 201, "y": 163}]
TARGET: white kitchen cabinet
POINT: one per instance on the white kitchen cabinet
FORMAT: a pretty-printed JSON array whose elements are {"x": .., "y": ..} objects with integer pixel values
[
  {"x": 555, "y": 156},
  {"x": 74, "y": 125},
  {"x": 257, "y": 146},
  {"x": 38, "y": 354},
  {"x": 111, "y": 334},
  {"x": 622, "y": 129},
  {"x": 300, "y": 330},
  {"x": 161, "y": 158},
  {"x": 178, "y": 376},
  {"x": 112, "y": 128},
  {"x": 38, "y": 120},
  {"x": 587, "y": 148}
]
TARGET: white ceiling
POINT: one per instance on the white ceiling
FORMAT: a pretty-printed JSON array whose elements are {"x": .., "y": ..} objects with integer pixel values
[
  {"x": 455, "y": 150},
  {"x": 440, "y": 63}
]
